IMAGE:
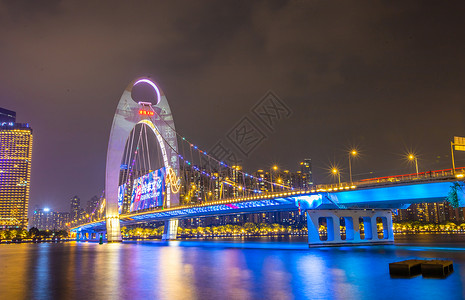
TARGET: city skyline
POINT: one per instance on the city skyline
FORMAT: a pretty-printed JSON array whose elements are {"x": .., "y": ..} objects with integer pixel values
[
  {"x": 387, "y": 97},
  {"x": 295, "y": 149}
]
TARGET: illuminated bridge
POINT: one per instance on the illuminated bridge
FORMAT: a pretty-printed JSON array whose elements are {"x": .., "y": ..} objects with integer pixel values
[{"x": 155, "y": 174}]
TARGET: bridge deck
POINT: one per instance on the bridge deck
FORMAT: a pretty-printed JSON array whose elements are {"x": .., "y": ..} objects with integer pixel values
[{"x": 398, "y": 195}]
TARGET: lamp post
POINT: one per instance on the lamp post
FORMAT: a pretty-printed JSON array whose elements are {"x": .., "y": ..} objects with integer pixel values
[
  {"x": 280, "y": 182},
  {"x": 351, "y": 153},
  {"x": 275, "y": 168},
  {"x": 413, "y": 157},
  {"x": 335, "y": 171}
]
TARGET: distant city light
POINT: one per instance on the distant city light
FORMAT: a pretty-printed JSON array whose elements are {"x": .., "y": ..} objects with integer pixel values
[{"x": 46, "y": 209}]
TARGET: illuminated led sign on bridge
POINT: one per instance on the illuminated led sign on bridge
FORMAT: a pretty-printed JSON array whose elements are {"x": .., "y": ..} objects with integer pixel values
[{"x": 145, "y": 112}]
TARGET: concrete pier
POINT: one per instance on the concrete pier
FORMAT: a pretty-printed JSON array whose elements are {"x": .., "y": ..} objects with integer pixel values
[
  {"x": 352, "y": 218},
  {"x": 170, "y": 230}
]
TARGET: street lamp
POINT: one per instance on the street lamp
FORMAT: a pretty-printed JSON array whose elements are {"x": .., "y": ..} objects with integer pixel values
[
  {"x": 353, "y": 153},
  {"x": 412, "y": 156},
  {"x": 335, "y": 171},
  {"x": 275, "y": 168},
  {"x": 280, "y": 182}
]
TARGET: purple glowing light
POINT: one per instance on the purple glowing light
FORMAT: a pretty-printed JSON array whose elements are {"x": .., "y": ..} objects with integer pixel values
[{"x": 153, "y": 85}]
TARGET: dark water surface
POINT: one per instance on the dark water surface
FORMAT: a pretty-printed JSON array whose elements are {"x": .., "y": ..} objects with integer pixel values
[{"x": 219, "y": 269}]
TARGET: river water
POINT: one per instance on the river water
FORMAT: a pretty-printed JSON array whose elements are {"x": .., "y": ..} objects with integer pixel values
[{"x": 268, "y": 268}]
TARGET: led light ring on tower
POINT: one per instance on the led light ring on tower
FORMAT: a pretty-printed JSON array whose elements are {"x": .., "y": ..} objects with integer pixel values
[{"x": 157, "y": 91}]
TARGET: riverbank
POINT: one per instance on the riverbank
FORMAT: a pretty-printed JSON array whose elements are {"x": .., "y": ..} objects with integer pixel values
[{"x": 35, "y": 241}]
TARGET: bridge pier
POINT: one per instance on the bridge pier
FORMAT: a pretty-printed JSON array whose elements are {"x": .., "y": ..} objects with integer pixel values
[
  {"x": 113, "y": 229},
  {"x": 81, "y": 236},
  {"x": 170, "y": 230},
  {"x": 352, "y": 218}
]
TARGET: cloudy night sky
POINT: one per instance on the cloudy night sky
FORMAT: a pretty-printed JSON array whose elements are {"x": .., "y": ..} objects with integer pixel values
[{"x": 385, "y": 76}]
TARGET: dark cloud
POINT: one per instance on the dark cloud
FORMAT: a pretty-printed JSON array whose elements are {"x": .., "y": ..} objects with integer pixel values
[{"x": 386, "y": 76}]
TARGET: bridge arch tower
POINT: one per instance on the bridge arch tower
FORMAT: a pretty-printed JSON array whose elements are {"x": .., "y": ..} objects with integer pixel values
[{"x": 126, "y": 117}]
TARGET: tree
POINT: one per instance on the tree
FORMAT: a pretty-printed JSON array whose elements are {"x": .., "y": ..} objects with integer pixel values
[
  {"x": 62, "y": 234},
  {"x": 124, "y": 231},
  {"x": 237, "y": 229},
  {"x": 453, "y": 197},
  {"x": 208, "y": 230},
  {"x": 229, "y": 229},
  {"x": 221, "y": 229},
  {"x": 146, "y": 232},
  {"x": 200, "y": 230},
  {"x": 215, "y": 230},
  {"x": 250, "y": 228},
  {"x": 138, "y": 232},
  {"x": 289, "y": 229},
  {"x": 132, "y": 232},
  {"x": 160, "y": 230},
  {"x": 180, "y": 230},
  {"x": 12, "y": 234},
  {"x": 276, "y": 228},
  {"x": 194, "y": 231},
  {"x": 33, "y": 232},
  {"x": 23, "y": 233},
  {"x": 264, "y": 228}
]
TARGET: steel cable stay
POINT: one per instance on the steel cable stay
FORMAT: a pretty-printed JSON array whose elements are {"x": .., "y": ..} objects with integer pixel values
[
  {"x": 213, "y": 158},
  {"x": 140, "y": 160}
]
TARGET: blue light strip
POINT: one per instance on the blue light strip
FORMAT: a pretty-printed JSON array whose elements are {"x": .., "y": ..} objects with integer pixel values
[
  {"x": 219, "y": 209},
  {"x": 381, "y": 197}
]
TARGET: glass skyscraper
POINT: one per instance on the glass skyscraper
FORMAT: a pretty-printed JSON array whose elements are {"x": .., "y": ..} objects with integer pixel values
[{"x": 15, "y": 171}]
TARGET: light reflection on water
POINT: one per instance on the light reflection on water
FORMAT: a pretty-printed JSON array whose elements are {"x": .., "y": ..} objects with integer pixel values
[{"x": 261, "y": 269}]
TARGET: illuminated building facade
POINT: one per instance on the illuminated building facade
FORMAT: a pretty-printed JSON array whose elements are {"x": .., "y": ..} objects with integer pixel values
[
  {"x": 7, "y": 116},
  {"x": 306, "y": 174},
  {"x": 92, "y": 205},
  {"x": 75, "y": 208},
  {"x": 15, "y": 171},
  {"x": 435, "y": 212},
  {"x": 46, "y": 219}
]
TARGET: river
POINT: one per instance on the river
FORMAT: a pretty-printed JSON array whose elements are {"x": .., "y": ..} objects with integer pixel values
[{"x": 267, "y": 268}]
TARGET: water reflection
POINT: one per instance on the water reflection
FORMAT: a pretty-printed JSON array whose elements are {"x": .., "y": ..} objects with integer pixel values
[
  {"x": 218, "y": 270},
  {"x": 14, "y": 271}
]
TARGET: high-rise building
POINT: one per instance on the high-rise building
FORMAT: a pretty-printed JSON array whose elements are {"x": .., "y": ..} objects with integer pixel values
[
  {"x": 75, "y": 208},
  {"x": 92, "y": 204},
  {"x": 15, "y": 170},
  {"x": 46, "y": 219},
  {"x": 62, "y": 220},
  {"x": 261, "y": 185},
  {"x": 7, "y": 116},
  {"x": 306, "y": 173},
  {"x": 436, "y": 212}
]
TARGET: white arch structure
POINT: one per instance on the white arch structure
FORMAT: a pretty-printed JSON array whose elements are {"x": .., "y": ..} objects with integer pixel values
[{"x": 126, "y": 118}]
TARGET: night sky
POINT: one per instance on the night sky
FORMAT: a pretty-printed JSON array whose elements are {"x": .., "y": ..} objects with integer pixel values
[{"x": 387, "y": 77}]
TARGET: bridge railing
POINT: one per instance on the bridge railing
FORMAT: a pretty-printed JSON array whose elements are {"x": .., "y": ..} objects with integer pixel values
[
  {"x": 421, "y": 176},
  {"x": 436, "y": 175}
]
